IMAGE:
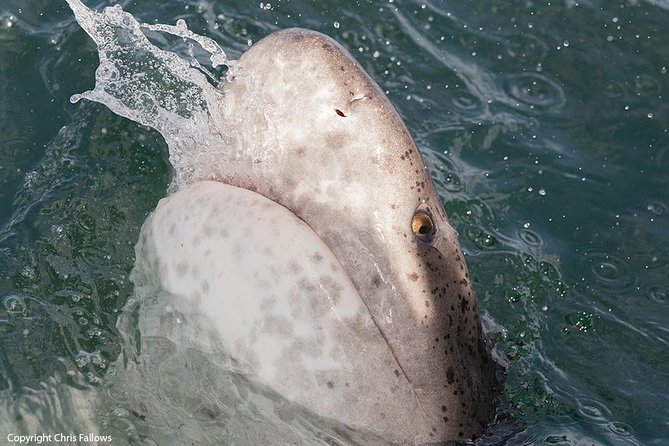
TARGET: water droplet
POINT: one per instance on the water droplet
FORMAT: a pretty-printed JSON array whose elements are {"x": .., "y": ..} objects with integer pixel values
[
  {"x": 76, "y": 98},
  {"x": 336, "y": 25},
  {"x": 579, "y": 320},
  {"x": 512, "y": 296},
  {"x": 656, "y": 208},
  {"x": 7, "y": 22}
]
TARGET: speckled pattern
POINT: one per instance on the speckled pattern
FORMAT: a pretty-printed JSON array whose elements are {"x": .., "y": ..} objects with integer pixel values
[
  {"x": 348, "y": 168},
  {"x": 240, "y": 273}
]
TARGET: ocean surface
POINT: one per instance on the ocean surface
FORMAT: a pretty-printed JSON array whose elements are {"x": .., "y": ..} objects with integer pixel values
[{"x": 543, "y": 123}]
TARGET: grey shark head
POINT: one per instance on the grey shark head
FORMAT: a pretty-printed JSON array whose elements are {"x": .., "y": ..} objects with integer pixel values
[
  {"x": 326, "y": 266},
  {"x": 351, "y": 171}
]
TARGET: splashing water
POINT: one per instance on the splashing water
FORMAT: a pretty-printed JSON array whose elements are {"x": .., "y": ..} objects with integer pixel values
[{"x": 160, "y": 89}]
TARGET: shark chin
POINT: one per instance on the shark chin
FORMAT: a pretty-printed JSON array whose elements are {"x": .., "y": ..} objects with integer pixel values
[{"x": 331, "y": 275}]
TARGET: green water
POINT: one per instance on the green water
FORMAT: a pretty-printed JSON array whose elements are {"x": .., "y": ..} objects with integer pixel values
[{"x": 544, "y": 125}]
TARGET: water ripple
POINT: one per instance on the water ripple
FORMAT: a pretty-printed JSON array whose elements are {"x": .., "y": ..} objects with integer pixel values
[
  {"x": 531, "y": 238},
  {"x": 608, "y": 270},
  {"x": 658, "y": 293},
  {"x": 594, "y": 411},
  {"x": 535, "y": 90},
  {"x": 621, "y": 429}
]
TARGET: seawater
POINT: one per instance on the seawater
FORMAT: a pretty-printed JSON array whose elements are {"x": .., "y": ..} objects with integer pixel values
[{"x": 544, "y": 125}]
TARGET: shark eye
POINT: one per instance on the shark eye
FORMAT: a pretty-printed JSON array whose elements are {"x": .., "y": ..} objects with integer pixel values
[{"x": 423, "y": 226}]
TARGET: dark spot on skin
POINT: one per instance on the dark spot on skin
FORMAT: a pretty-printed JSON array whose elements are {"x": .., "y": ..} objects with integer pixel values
[
  {"x": 141, "y": 416},
  {"x": 397, "y": 373},
  {"x": 330, "y": 385},
  {"x": 340, "y": 113},
  {"x": 208, "y": 231},
  {"x": 294, "y": 267},
  {"x": 210, "y": 412},
  {"x": 182, "y": 269},
  {"x": 450, "y": 375},
  {"x": 376, "y": 280},
  {"x": 413, "y": 277},
  {"x": 278, "y": 326}
]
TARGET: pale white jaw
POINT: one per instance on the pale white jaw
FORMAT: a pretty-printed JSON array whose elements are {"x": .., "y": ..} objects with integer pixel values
[{"x": 237, "y": 272}]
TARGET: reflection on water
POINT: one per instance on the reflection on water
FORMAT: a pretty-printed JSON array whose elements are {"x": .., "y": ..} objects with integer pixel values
[{"x": 544, "y": 126}]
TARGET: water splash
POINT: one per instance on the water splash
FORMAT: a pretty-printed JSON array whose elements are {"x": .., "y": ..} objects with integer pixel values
[{"x": 159, "y": 89}]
